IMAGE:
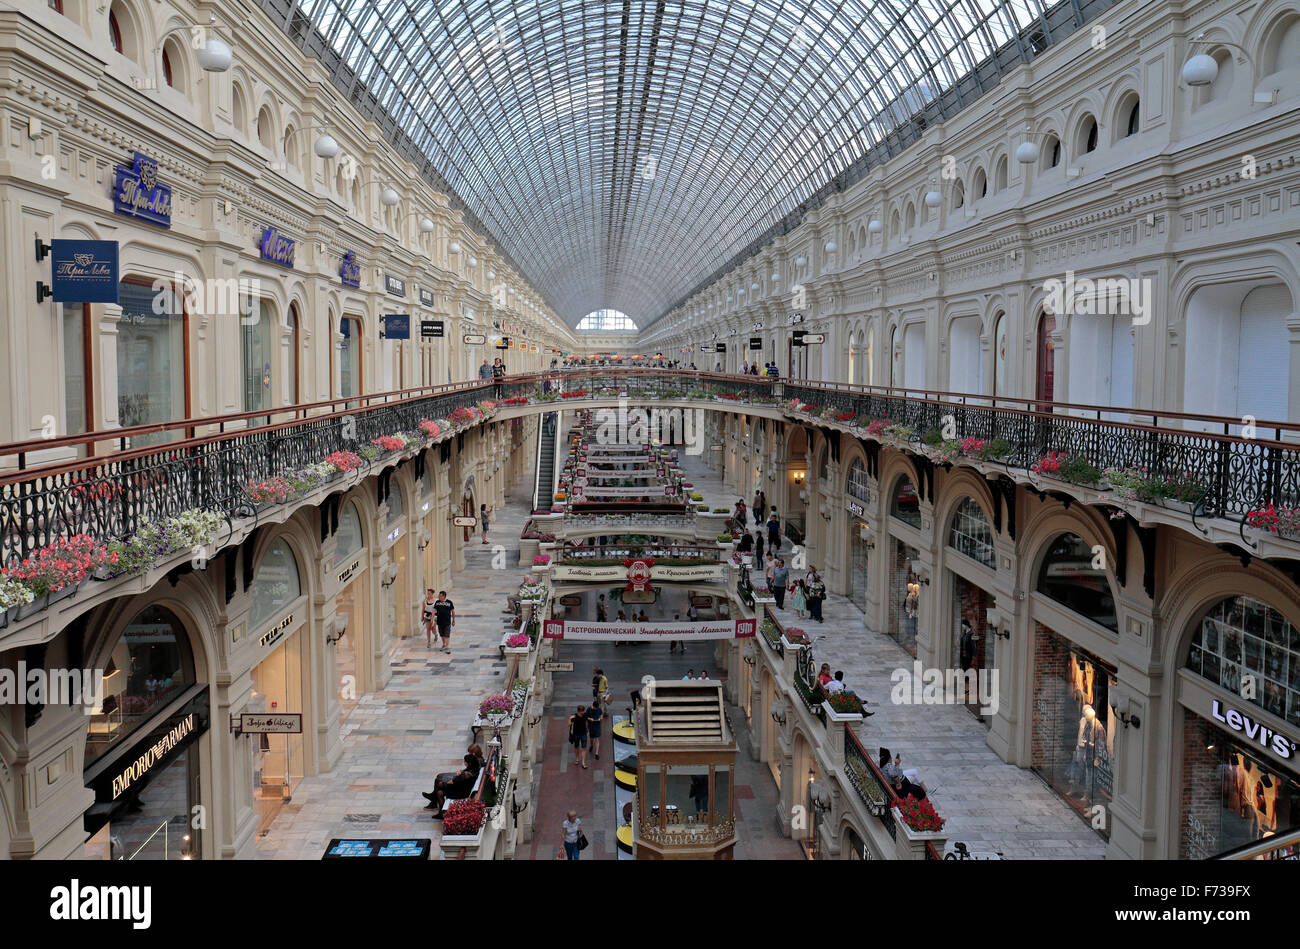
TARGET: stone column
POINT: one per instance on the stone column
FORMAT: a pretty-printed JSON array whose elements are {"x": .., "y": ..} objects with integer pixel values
[{"x": 110, "y": 315}]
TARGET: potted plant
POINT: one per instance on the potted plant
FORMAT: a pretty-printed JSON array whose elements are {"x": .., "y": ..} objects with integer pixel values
[
  {"x": 843, "y": 706},
  {"x": 464, "y": 818},
  {"x": 517, "y": 643},
  {"x": 57, "y": 570},
  {"x": 13, "y": 593},
  {"x": 920, "y": 823},
  {"x": 541, "y": 562},
  {"x": 496, "y": 709}
]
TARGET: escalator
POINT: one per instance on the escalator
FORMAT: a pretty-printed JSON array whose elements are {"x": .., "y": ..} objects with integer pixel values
[{"x": 548, "y": 435}]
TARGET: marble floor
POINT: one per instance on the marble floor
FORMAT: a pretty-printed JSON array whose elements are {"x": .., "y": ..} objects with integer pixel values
[
  {"x": 397, "y": 739},
  {"x": 988, "y": 804}
]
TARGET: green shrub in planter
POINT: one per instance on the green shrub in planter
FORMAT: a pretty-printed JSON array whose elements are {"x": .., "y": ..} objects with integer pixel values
[
  {"x": 1079, "y": 471},
  {"x": 695, "y": 496},
  {"x": 932, "y": 436},
  {"x": 702, "y": 508},
  {"x": 725, "y": 538},
  {"x": 721, "y": 510},
  {"x": 998, "y": 449}
]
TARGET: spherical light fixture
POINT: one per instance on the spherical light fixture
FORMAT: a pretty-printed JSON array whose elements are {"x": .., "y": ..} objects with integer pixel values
[
  {"x": 388, "y": 197},
  {"x": 453, "y": 247},
  {"x": 1201, "y": 70},
  {"x": 1027, "y": 153},
  {"x": 215, "y": 56},
  {"x": 800, "y": 261},
  {"x": 933, "y": 199},
  {"x": 754, "y": 286},
  {"x": 491, "y": 274},
  {"x": 875, "y": 226},
  {"x": 473, "y": 261},
  {"x": 832, "y": 247},
  {"x": 326, "y": 146},
  {"x": 427, "y": 226},
  {"x": 776, "y": 275}
]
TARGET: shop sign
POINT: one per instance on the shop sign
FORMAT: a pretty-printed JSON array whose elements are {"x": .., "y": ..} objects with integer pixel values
[
  {"x": 704, "y": 571},
  {"x": 755, "y": 342},
  {"x": 473, "y": 339},
  {"x": 137, "y": 193},
  {"x": 638, "y": 573},
  {"x": 152, "y": 755},
  {"x": 554, "y": 665},
  {"x": 272, "y": 723},
  {"x": 84, "y": 271},
  {"x": 397, "y": 326},
  {"x": 352, "y": 568},
  {"x": 464, "y": 521},
  {"x": 394, "y": 285},
  {"x": 426, "y": 297},
  {"x": 350, "y": 270},
  {"x": 276, "y": 632},
  {"x": 1256, "y": 731},
  {"x": 431, "y": 329},
  {"x": 857, "y": 509},
  {"x": 648, "y": 632},
  {"x": 277, "y": 248},
  {"x": 575, "y": 572}
]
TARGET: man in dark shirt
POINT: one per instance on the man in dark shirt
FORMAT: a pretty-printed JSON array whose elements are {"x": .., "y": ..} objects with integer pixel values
[
  {"x": 444, "y": 616},
  {"x": 595, "y": 715}
]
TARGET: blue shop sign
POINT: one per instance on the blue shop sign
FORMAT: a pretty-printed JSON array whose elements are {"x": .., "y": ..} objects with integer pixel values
[
  {"x": 350, "y": 270},
  {"x": 277, "y": 248},
  {"x": 137, "y": 193},
  {"x": 84, "y": 271},
  {"x": 397, "y": 326}
]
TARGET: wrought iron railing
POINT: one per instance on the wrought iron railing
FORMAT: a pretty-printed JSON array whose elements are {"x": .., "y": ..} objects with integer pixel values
[
  {"x": 870, "y": 783},
  {"x": 208, "y": 462}
]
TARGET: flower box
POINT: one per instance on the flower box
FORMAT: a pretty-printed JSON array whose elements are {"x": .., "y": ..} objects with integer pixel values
[
  {"x": 910, "y": 844},
  {"x": 785, "y": 642},
  {"x": 834, "y": 716}
]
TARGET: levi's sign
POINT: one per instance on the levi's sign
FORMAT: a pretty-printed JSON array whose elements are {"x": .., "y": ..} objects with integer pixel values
[{"x": 1258, "y": 732}]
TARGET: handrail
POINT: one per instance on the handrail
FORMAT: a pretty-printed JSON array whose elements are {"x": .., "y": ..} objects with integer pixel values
[{"x": 1283, "y": 846}]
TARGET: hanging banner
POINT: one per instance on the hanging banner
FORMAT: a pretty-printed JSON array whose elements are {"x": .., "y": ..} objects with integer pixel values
[
  {"x": 84, "y": 271},
  {"x": 648, "y": 632},
  {"x": 603, "y": 573},
  {"x": 635, "y": 491}
]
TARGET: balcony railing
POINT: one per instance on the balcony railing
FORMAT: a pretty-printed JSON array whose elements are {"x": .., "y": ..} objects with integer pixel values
[{"x": 208, "y": 462}]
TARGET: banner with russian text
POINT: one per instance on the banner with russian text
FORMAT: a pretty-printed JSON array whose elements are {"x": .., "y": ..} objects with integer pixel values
[{"x": 648, "y": 632}]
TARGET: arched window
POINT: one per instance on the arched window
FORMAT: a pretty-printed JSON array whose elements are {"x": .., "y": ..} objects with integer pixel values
[
  {"x": 959, "y": 194},
  {"x": 858, "y": 484},
  {"x": 1241, "y": 637},
  {"x": 349, "y": 537},
  {"x": 168, "y": 76},
  {"x": 1087, "y": 141},
  {"x": 115, "y": 32},
  {"x": 350, "y": 357},
  {"x": 1000, "y": 354},
  {"x": 276, "y": 584},
  {"x": 910, "y": 217},
  {"x": 239, "y": 109},
  {"x": 1045, "y": 389},
  {"x": 150, "y": 664},
  {"x": 396, "y": 503},
  {"x": 1132, "y": 113},
  {"x": 1000, "y": 179},
  {"x": 971, "y": 534},
  {"x": 1051, "y": 152},
  {"x": 1069, "y": 576},
  {"x": 265, "y": 132},
  {"x": 295, "y": 341},
  {"x": 905, "y": 504},
  {"x": 979, "y": 184}
]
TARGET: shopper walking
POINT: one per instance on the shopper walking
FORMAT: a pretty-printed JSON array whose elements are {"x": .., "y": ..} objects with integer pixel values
[
  {"x": 572, "y": 834},
  {"x": 780, "y": 577},
  {"x": 484, "y": 513},
  {"x": 816, "y": 592},
  {"x": 599, "y": 684},
  {"x": 602, "y": 611},
  {"x": 578, "y": 735},
  {"x": 444, "y": 616},
  {"x": 800, "y": 598},
  {"x": 426, "y": 616},
  {"x": 596, "y": 715},
  {"x": 773, "y": 531},
  {"x": 769, "y": 571}
]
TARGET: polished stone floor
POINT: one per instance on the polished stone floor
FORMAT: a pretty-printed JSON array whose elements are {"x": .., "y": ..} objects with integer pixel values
[
  {"x": 397, "y": 739},
  {"x": 988, "y": 804}
]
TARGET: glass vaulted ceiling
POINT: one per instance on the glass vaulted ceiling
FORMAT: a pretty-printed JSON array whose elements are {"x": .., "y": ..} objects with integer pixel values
[{"x": 620, "y": 152}]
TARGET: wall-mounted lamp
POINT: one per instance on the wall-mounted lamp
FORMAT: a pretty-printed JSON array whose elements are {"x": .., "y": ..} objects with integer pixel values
[
  {"x": 778, "y": 712},
  {"x": 1121, "y": 704},
  {"x": 426, "y": 537},
  {"x": 389, "y": 576},
  {"x": 922, "y": 572},
  {"x": 994, "y": 618},
  {"x": 340, "y": 627}
]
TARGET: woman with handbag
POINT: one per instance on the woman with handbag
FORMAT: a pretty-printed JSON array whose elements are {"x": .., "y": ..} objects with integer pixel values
[{"x": 575, "y": 841}]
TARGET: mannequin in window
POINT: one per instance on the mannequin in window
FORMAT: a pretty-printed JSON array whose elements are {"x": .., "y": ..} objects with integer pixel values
[{"x": 1089, "y": 747}]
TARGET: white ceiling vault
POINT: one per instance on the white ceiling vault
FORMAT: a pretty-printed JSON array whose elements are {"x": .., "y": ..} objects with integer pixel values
[{"x": 623, "y": 152}]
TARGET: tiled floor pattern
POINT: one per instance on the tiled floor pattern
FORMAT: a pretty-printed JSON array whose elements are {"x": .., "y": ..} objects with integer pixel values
[
  {"x": 396, "y": 740},
  {"x": 988, "y": 804}
]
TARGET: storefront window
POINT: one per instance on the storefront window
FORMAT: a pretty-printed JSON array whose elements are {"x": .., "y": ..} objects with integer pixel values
[
  {"x": 858, "y": 486},
  {"x": 972, "y": 643},
  {"x": 350, "y": 357},
  {"x": 350, "y": 539},
  {"x": 150, "y": 664},
  {"x": 971, "y": 534},
  {"x": 1231, "y": 797},
  {"x": 1242, "y": 637},
  {"x": 76, "y": 387},
  {"x": 904, "y": 596},
  {"x": 159, "y": 824},
  {"x": 276, "y": 584},
  {"x": 396, "y": 506},
  {"x": 1071, "y": 577},
  {"x": 1074, "y": 725},
  {"x": 150, "y": 359},
  {"x": 255, "y": 349},
  {"x": 905, "y": 504}
]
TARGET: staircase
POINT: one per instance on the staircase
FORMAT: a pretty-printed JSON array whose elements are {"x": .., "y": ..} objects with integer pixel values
[{"x": 548, "y": 436}]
